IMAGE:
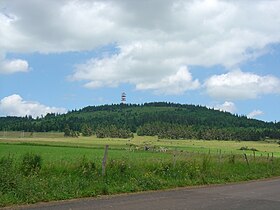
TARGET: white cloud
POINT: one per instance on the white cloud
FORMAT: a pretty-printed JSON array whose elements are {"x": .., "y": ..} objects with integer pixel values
[
  {"x": 255, "y": 113},
  {"x": 227, "y": 106},
  {"x": 152, "y": 45},
  {"x": 165, "y": 77},
  {"x": 13, "y": 66},
  {"x": 241, "y": 85},
  {"x": 202, "y": 27},
  {"x": 14, "y": 105},
  {"x": 173, "y": 84}
]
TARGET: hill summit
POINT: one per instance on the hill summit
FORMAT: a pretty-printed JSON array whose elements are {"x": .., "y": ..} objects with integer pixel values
[{"x": 166, "y": 120}]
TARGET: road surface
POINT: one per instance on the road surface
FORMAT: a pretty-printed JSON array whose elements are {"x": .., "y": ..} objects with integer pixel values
[{"x": 251, "y": 195}]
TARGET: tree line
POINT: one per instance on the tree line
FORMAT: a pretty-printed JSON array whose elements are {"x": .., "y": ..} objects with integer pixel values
[
  {"x": 167, "y": 120},
  {"x": 177, "y": 131}
]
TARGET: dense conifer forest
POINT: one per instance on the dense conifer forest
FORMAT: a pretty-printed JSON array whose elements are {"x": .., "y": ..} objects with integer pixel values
[{"x": 166, "y": 120}]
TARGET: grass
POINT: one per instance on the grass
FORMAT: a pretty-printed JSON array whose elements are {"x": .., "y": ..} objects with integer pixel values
[
  {"x": 203, "y": 146},
  {"x": 34, "y": 169},
  {"x": 22, "y": 134},
  {"x": 70, "y": 154}
]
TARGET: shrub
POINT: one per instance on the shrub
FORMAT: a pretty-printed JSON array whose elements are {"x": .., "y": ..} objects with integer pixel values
[
  {"x": 163, "y": 169},
  {"x": 205, "y": 163},
  {"x": 118, "y": 166},
  {"x": 250, "y": 149},
  {"x": 231, "y": 159},
  {"x": 86, "y": 130},
  {"x": 246, "y": 148},
  {"x": 70, "y": 133},
  {"x": 86, "y": 167},
  {"x": 31, "y": 164},
  {"x": 7, "y": 174}
]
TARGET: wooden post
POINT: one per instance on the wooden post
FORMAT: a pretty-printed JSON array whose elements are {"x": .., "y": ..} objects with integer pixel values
[
  {"x": 174, "y": 157},
  {"x": 268, "y": 156},
  {"x": 104, "y": 161},
  {"x": 246, "y": 159},
  {"x": 272, "y": 165},
  {"x": 219, "y": 157}
]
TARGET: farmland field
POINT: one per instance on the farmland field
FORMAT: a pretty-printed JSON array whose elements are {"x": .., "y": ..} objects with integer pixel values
[
  {"x": 139, "y": 142},
  {"x": 47, "y": 166}
]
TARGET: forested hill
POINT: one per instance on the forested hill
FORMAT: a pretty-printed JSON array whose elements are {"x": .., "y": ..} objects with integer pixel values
[{"x": 167, "y": 120}]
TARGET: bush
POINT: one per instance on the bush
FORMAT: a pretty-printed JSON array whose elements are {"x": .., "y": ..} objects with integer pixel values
[
  {"x": 205, "y": 163},
  {"x": 246, "y": 148},
  {"x": 7, "y": 174},
  {"x": 86, "y": 130},
  {"x": 118, "y": 166},
  {"x": 231, "y": 159},
  {"x": 113, "y": 132},
  {"x": 70, "y": 133},
  {"x": 31, "y": 164},
  {"x": 87, "y": 167}
]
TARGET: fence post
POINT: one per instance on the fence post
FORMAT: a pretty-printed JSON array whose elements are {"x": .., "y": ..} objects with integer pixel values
[
  {"x": 104, "y": 161},
  {"x": 246, "y": 159},
  {"x": 268, "y": 156},
  {"x": 219, "y": 158},
  {"x": 174, "y": 157},
  {"x": 272, "y": 165}
]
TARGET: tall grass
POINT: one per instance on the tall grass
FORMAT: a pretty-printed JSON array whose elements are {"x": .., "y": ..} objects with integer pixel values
[{"x": 29, "y": 179}]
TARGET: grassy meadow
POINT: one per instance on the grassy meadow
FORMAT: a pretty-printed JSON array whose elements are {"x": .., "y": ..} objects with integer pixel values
[
  {"x": 47, "y": 166},
  {"x": 139, "y": 142}
]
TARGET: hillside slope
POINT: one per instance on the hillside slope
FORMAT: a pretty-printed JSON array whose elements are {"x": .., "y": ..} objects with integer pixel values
[{"x": 156, "y": 118}]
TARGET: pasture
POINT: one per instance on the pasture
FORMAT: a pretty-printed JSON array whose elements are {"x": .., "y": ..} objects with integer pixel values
[{"x": 139, "y": 142}]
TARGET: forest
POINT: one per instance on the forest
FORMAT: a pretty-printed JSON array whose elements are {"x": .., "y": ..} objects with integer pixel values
[{"x": 162, "y": 119}]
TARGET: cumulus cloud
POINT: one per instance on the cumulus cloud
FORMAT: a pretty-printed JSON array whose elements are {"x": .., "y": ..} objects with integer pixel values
[
  {"x": 14, "y": 105},
  {"x": 173, "y": 84},
  {"x": 208, "y": 31},
  {"x": 227, "y": 106},
  {"x": 13, "y": 66},
  {"x": 160, "y": 76},
  {"x": 152, "y": 45},
  {"x": 78, "y": 25},
  {"x": 241, "y": 85},
  {"x": 255, "y": 113}
]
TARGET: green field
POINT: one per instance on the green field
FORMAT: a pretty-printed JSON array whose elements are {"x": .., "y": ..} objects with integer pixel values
[
  {"x": 139, "y": 142},
  {"x": 71, "y": 167}
]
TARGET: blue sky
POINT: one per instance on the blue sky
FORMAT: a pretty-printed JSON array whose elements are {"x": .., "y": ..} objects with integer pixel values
[{"x": 62, "y": 55}]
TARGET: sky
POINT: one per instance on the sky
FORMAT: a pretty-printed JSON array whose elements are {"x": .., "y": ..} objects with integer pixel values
[{"x": 57, "y": 56}]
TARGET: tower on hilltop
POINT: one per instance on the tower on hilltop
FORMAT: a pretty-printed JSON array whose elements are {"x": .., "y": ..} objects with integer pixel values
[{"x": 123, "y": 98}]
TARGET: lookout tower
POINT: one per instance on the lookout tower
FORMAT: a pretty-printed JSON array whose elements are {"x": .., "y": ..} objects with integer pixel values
[{"x": 123, "y": 98}]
